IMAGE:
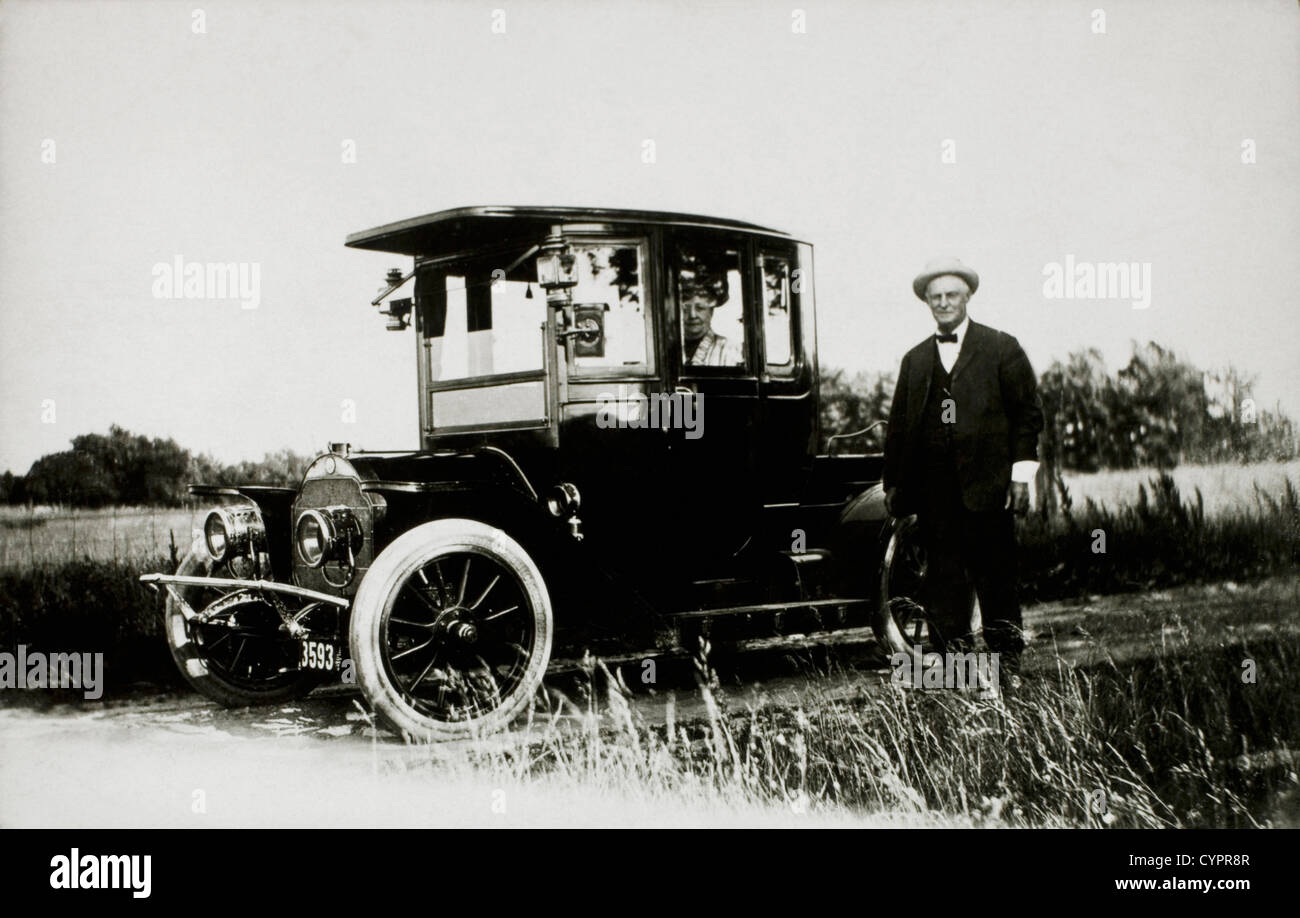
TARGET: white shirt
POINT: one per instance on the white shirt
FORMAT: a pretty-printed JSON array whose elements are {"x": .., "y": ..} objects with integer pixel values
[
  {"x": 950, "y": 350},
  {"x": 1025, "y": 469}
]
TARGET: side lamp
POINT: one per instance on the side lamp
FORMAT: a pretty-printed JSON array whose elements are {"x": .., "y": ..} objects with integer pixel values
[{"x": 557, "y": 270}]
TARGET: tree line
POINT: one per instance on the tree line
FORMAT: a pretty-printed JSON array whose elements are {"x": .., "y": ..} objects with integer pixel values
[
  {"x": 1157, "y": 411},
  {"x": 122, "y": 468}
]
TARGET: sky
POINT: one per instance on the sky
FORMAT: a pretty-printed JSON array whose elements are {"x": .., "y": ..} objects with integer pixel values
[{"x": 1013, "y": 135}]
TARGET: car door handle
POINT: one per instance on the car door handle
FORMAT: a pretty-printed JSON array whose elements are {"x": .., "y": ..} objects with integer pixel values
[{"x": 665, "y": 421}]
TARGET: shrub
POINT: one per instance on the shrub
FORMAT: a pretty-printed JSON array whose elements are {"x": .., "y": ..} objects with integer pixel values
[
  {"x": 1161, "y": 540},
  {"x": 89, "y": 606}
]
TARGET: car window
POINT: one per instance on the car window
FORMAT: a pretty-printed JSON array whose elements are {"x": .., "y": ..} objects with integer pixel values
[
  {"x": 778, "y": 328},
  {"x": 610, "y": 290},
  {"x": 710, "y": 302}
]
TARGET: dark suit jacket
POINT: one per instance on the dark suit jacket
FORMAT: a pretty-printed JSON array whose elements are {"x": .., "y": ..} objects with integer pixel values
[{"x": 998, "y": 418}]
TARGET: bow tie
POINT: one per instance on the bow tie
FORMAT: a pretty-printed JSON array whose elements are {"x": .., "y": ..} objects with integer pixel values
[{"x": 950, "y": 337}]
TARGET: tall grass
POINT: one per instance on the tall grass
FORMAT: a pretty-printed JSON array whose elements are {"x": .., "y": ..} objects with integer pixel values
[
  {"x": 90, "y": 606},
  {"x": 1173, "y": 740},
  {"x": 1161, "y": 540}
]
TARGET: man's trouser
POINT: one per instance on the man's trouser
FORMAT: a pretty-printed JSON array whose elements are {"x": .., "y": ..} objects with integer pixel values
[{"x": 965, "y": 549}]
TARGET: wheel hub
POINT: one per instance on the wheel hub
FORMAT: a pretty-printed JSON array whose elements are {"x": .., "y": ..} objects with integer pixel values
[{"x": 455, "y": 624}]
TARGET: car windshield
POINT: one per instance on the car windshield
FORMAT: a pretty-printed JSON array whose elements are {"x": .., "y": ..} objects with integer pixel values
[
  {"x": 481, "y": 317},
  {"x": 485, "y": 316}
]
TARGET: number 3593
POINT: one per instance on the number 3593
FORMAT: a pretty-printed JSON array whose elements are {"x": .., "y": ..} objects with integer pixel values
[{"x": 316, "y": 655}]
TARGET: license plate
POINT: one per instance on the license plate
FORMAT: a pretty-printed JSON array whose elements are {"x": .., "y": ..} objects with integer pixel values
[{"x": 317, "y": 655}]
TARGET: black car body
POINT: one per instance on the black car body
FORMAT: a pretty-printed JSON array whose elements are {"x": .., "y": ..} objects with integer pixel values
[{"x": 590, "y": 461}]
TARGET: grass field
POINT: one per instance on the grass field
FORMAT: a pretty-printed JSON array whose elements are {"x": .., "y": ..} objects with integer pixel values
[
  {"x": 1225, "y": 487},
  {"x": 43, "y": 535}
]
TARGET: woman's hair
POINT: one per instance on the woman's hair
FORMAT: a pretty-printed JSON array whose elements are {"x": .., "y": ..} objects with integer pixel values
[{"x": 699, "y": 275}]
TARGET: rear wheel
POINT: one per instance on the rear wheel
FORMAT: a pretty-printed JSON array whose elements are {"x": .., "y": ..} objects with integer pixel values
[
  {"x": 451, "y": 630},
  {"x": 239, "y": 656},
  {"x": 901, "y": 621}
]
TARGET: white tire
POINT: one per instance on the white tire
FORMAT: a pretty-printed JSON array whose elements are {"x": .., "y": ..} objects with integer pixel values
[{"x": 451, "y": 630}]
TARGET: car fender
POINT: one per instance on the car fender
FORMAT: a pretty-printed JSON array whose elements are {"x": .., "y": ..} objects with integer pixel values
[
  {"x": 860, "y": 539},
  {"x": 867, "y": 507}
]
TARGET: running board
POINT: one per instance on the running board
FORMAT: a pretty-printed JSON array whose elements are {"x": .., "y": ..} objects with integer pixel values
[
  {"x": 770, "y": 607},
  {"x": 842, "y": 636}
]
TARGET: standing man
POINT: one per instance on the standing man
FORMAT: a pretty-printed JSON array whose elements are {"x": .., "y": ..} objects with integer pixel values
[{"x": 961, "y": 449}]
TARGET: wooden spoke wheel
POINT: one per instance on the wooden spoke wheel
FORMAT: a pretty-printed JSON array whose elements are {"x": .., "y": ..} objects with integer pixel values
[{"x": 451, "y": 630}]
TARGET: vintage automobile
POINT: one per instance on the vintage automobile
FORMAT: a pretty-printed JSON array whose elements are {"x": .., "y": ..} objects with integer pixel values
[{"x": 618, "y": 427}]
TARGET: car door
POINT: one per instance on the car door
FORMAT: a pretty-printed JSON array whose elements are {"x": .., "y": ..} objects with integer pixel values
[
  {"x": 612, "y": 446},
  {"x": 788, "y": 402},
  {"x": 712, "y": 452}
]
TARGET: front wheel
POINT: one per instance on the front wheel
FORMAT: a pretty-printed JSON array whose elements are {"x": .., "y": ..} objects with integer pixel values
[
  {"x": 451, "y": 630},
  {"x": 239, "y": 656},
  {"x": 901, "y": 621}
]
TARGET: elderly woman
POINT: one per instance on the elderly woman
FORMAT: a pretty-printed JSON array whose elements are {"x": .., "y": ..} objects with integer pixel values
[{"x": 700, "y": 291}]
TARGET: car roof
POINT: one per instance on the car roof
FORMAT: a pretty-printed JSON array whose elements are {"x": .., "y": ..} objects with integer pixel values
[{"x": 464, "y": 228}]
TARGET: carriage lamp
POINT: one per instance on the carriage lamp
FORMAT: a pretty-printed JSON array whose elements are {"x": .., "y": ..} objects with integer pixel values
[
  {"x": 562, "y": 502},
  {"x": 557, "y": 269},
  {"x": 398, "y": 313},
  {"x": 563, "y": 499},
  {"x": 233, "y": 532},
  {"x": 328, "y": 534}
]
